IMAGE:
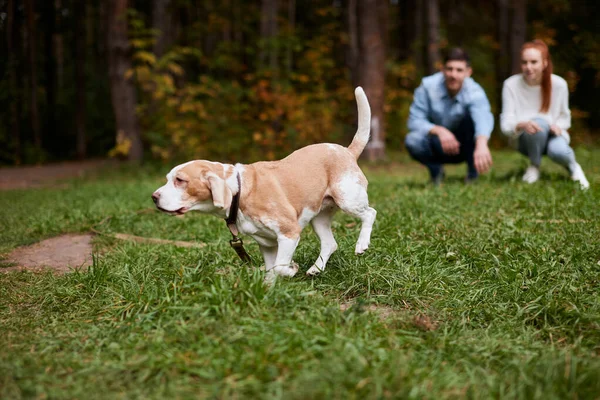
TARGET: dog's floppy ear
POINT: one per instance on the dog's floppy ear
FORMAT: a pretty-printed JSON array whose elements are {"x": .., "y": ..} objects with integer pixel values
[{"x": 221, "y": 194}]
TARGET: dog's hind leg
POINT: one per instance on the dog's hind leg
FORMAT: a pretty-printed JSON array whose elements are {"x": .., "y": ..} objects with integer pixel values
[
  {"x": 367, "y": 217},
  {"x": 321, "y": 223},
  {"x": 351, "y": 196}
]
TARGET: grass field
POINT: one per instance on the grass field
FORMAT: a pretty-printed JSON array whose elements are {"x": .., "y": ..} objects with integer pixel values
[{"x": 481, "y": 291}]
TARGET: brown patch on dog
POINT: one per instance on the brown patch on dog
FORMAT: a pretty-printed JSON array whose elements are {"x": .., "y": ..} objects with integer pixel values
[
  {"x": 61, "y": 254},
  {"x": 206, "y": 180},
  {"x": 302, "y": 180}
]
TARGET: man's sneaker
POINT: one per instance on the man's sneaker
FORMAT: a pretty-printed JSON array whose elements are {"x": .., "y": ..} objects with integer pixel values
[
  {"x": 469, "y": 179},
  {"x": 472, "y": 175},
  {"x": 438, "y": 178},
  {"x": 532, "y": 174},
  {"x": 578, "y": 176},
  {"x": 436, "y": 173}
]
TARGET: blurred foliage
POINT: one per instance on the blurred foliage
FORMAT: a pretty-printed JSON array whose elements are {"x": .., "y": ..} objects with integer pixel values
[
  {"x": 249, "y": 116},
  {"x": 214, "y": 93}
]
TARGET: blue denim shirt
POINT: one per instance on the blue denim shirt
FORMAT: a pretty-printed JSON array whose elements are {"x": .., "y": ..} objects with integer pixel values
[{"x": 432, "y": 105}]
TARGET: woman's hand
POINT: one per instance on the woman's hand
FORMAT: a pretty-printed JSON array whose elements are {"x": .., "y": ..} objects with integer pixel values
[
  {"x": 555, "y": 129},
  {"x": 529, "y": 127}
]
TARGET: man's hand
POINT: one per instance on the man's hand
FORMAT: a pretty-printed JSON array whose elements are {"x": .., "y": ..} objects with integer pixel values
[
  {"x": 482, "y": 155},
  {"x": 529, "y": 127},
  {"x": 555, "y": 129},
  {"x": 450, "y": 145}
]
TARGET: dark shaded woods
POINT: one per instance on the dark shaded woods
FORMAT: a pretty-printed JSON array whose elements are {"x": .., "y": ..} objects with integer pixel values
[{"x": 150, "y": 79}]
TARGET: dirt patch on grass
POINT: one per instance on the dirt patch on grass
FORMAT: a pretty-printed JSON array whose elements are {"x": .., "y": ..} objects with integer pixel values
[{"x": 60, "y": 254}]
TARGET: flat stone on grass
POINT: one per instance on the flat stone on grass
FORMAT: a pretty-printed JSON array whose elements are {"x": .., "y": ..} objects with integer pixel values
[{"x": 60, "y": 254}]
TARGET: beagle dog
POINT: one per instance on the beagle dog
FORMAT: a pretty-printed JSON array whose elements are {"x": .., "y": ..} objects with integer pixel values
[{"x": 279, "y": 198}]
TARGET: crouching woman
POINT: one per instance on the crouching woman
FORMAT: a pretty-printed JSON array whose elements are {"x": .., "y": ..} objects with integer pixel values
[{"x": 536, "y": 116}]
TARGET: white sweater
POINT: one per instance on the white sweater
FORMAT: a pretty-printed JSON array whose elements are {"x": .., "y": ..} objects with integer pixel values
[{"x": 521, "y": 102}]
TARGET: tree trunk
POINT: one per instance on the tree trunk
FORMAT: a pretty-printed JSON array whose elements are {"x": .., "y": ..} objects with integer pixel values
[
  {"x": 227, "y": 29},
  {"x": 433, "y": 36},
  {"x": 518, "y": 31},
  {"x": 162, "y": 22},
  {"x": 405, "y": 30},
  {"x": 59, "y": 48},
  {"x": 418, "y": 42},
  {"x": 372, "y": 70},
  {"x": 238, "y": 22},
  {"x": 503, "y": 64},
  {"x": 353, "y": 41},
  {"x": 50, "y": 63},
  {"x": 122, "y": 89},
  {"x": 268, "y": 31},
  {"x": 289, "y": 60},
  {"x": 31, "y": 36},
  {"x": 80, "y": 60},
  {"x": 455, "y": 26},
  {"x": 11, "y": 38}
]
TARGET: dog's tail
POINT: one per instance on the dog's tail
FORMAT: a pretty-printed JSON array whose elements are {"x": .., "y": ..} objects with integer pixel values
[{"x": 364, "y": 123}]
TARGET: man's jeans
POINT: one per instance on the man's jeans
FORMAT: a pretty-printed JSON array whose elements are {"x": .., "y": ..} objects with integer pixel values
[
  {"x": 545, "y": 142},
  {"x": 427, "y": 149}
]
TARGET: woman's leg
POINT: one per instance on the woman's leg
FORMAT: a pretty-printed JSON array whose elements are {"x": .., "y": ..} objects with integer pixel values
[
  {"x": 533, "y": 145},
  {"x": 561, "y": 153}
]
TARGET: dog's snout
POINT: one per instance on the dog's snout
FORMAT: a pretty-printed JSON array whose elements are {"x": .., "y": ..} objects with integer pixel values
[{"x": 155, "y": 197}]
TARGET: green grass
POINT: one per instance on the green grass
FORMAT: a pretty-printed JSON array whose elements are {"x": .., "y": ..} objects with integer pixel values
[{"x": 484, "y": 291}]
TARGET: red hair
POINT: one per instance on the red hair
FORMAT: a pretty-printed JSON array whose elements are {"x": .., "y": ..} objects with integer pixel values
[{"x": 546, "y": 74}]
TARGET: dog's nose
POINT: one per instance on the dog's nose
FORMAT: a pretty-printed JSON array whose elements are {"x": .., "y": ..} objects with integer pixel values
[{"x": 155, "y": 197}]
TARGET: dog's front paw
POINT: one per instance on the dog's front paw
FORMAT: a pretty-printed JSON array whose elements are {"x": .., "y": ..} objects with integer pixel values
[
  {"x": 287, "y": 270},
  {"x": 313, "y": 271},
  {"x": 270, "y": 278},
  {"x": 361, "y": 246}
]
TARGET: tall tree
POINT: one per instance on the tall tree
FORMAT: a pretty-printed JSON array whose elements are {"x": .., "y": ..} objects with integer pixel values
[
  {"x": 291, "y": 31},
  {"x": 406, "y": 29},
  {"x": 518, "y": 29},
  {"x": 49, "y": 15},
  {"x": 59, "y": 45},
  {"x": 80, "y": 11},
  {"x": 268, "y": 31},
  {"x": 33, "y": 81},
  {"x": 454, "y": 13},
  {"x": 122, "y": 88},
  {"x": 162, "y": 22},
  {"x": 371, "y": 61},
  {"x": 503, "y": 61},
  {"x": 353, "y": 47},
  {"x": 418, "y": 43},
  {"x": 12, "y": 33},
  {"x": 433, "y": 36}
]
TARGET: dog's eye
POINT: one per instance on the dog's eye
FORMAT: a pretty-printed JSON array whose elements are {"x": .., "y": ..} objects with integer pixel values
[{"x": 179, "y": 180}]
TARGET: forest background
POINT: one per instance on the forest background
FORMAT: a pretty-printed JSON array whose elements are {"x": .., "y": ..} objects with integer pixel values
[{"x": 236, "y": 80}]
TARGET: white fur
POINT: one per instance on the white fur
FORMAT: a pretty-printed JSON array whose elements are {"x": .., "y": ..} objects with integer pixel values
[
  {"x": 355, "y": 201},
  {"x": 170, "y": 196}
]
